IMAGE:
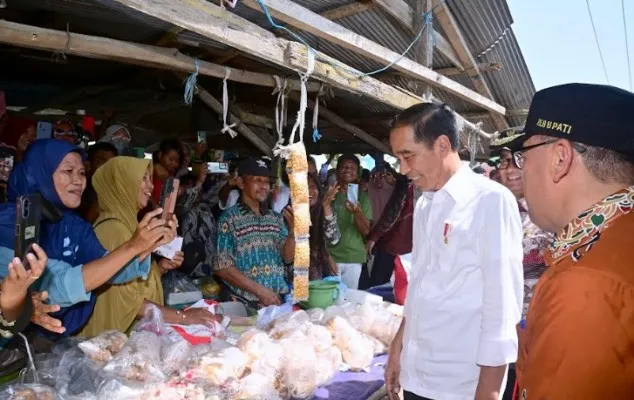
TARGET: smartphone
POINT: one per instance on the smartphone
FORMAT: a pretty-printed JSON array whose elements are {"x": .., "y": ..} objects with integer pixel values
[
  {"x": 218, "y": 167},
  {"x": 169, "y": 192},
  {"x": 353, "y": 193},
  {"x": 202, "y": 137},
  {"x": 27, "y": 226}
]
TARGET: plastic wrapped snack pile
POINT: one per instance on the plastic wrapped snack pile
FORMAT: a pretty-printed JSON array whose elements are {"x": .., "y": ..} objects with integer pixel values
[{"x": 289, "y": 358}]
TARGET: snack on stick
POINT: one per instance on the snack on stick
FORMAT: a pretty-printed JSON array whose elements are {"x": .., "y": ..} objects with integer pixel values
[
  {"x": 301, "y": 212},
  {"x": 299, "y": 187},
  {"x": 297, "y": 161},
  {"x": 302, "y": 254},
  {"x": 300, "y": 285}
]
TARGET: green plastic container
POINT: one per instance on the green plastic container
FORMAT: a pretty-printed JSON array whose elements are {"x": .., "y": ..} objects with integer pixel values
[{"x": 321, "y": 294}]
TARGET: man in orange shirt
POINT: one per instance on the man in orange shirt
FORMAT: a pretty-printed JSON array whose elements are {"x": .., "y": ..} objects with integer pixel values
[{"x": 577, "y": 160}]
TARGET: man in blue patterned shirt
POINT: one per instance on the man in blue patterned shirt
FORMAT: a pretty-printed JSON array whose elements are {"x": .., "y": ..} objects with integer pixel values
[{"x": 254, "y": 243}]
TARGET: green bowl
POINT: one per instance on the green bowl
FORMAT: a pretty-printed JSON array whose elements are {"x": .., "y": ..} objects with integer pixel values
[{"x": 321, "y": 294}]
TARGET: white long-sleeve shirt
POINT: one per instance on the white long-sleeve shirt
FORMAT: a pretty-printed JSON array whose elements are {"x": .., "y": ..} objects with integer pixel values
[{"x": 464, "y": 298}]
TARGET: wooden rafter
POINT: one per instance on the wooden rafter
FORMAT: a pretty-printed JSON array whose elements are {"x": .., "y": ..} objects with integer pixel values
[
  {"x": 450, "y": 26},
  {"x": 403, "y": 14},
  {"x": 352, "y": 129},
  {"x": 400, "y": 10},
  {"x": 133, "y": 53},
  {"x": 347, "y": 10},
  {"x": 208, "y": 20},
  {"x": 304, "y": 19}
]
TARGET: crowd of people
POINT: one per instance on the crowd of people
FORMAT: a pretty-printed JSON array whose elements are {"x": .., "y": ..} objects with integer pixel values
[{"x": 527, "y": 260}]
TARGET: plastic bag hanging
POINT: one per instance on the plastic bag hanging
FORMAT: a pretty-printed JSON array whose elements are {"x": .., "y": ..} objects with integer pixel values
[
  {"x": 225, "y": 106},
  {"x": 190, "y": 84},
  {"x": 316, "y": 134}
]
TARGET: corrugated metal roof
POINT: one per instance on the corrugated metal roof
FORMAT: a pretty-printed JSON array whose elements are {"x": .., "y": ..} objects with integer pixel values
[{"x": 482, "y": 22}]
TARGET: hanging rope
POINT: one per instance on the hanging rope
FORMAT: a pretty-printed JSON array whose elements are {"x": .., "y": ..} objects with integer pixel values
[
  {"x": 225, "y": 106},
  {"x": 300, "y": 121},
  {"x": 316, "y": 134},
  {"x": 280, "y": 108},
  {"x": 190, "y": 84},
  {"x": 474, "y": 142}
]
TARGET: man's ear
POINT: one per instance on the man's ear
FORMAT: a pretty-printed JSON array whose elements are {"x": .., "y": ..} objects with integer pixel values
[
  {"x": 562, "y": 156},
  {"x": 240, "y": 183}
]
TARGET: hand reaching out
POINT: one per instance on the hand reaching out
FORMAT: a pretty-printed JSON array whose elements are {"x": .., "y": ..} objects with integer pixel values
[{"x": 40, "y": 314}]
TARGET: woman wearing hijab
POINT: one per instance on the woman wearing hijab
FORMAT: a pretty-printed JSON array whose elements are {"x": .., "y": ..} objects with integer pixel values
[
  {"x": 118, "y": 136},
  {"x": 55, "y": 169},
  {"x": 323, "y": 230},
  {"x": 124, "y": 187}
]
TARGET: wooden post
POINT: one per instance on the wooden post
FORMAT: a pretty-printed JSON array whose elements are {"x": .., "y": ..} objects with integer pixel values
[{"x": 424, "y": 51}]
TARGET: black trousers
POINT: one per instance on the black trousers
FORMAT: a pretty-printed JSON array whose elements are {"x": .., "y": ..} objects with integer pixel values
[{"x": 412, "y": 396}]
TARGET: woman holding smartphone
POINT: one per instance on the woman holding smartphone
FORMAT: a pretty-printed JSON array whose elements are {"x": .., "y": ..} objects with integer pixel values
[
  {"x": 55, "y": 169},
  {"x": 124, "y": 187}
]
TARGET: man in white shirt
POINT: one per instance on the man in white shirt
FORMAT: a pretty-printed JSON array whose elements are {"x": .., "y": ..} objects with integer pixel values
[{"x": 464, "y": 297}]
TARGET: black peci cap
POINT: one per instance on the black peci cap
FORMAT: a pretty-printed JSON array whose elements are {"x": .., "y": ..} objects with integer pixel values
[
  {"x": 594, "y": 115},
  {"x": 255, "y": 167}
]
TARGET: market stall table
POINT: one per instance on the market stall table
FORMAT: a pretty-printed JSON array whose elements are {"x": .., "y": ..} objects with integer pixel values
[{"x": 357, "y": 385}]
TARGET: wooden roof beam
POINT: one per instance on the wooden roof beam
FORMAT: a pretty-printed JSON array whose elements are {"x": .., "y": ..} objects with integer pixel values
[
  {"x": 341, "y": 123},
  {"x": 201, "y": 17},
  {"x": 450, "y": 26},
  {"x": 403, "y": 13},
  {"x": 347, "y": 10},
  {"x": 304, "y": 19},
  {"x": 244, "y": 130},
  {"x": 15, "y": 34}
]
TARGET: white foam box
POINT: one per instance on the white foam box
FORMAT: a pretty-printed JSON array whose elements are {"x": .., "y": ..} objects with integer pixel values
[{"x": 361, "y": 297}]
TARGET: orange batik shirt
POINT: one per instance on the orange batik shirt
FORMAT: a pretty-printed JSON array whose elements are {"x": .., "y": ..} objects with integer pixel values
[{"x": 579, "y": 338}]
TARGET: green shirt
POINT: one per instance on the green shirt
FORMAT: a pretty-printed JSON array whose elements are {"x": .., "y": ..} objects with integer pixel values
[{"x": 351, "y": 247}]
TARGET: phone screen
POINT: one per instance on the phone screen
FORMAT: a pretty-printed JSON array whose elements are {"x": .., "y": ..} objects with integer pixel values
[
  {"x": 353, "y": 193},
  {"x": 27, "y": 226},
  {"x": 169, "y": 194},
  {"x": 202, "y": 137}
]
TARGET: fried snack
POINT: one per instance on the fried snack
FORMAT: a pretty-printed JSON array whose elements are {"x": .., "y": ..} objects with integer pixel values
[
  {"x": 300, "y": 286},
  {"x": 297, "y": 161},
  {"x": 302, "y": 254},
  {"x": 301, "y": 212},
  {"x": 299, "y": 187},
  {"x": 104, "y": 346}
]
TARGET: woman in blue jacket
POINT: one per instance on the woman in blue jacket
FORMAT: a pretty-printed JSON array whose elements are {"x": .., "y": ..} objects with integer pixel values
[{"x": 55, "y": 170}]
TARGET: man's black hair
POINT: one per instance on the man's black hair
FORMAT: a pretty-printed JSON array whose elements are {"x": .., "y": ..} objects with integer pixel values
[
  {"x": 100, "y": 146},
  {"x": 430, "y": 121}
]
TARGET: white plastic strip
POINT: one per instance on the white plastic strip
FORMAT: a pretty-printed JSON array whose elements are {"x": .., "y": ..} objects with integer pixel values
[{"x": 225, "y": 106}]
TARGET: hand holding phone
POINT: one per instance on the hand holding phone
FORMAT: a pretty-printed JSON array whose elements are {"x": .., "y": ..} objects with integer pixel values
[
  {"x": 169, "y": 193},
  {"x": 27, "y": 226}
]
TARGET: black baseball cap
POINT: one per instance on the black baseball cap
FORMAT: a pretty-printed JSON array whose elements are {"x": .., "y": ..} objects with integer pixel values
[
  {"x": 255, "y": 167},
  {"x": 594, "y": 115}
]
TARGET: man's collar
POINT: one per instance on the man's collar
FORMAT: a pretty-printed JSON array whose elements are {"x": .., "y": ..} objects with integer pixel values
[
  {"x": 586, "y": 228},
  {"x": 456, "y": 186},
  {"x": 245, "y": 209}
]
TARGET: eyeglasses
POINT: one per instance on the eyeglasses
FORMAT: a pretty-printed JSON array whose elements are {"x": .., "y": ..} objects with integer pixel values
[{"x": 518, "y": 155}]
